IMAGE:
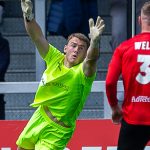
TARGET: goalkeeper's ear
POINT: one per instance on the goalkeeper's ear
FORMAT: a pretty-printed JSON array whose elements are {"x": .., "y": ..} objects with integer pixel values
[{"x": 27, "y": 8}]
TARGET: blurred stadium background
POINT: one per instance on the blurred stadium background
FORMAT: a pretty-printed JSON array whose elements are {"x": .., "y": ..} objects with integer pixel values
[{"x": 24, "y": 58}]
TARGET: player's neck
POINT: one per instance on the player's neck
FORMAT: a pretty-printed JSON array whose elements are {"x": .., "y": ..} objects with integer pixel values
[
  {"x": 145, "y": 28},
  {"x": 143, "y": 31}
]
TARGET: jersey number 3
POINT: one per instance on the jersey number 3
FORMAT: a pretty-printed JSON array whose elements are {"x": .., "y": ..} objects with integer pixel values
[{"x": 144, "y": 76}]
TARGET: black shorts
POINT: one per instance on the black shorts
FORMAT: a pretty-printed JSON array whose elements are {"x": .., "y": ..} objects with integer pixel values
[{"x": 133, "y": 137}]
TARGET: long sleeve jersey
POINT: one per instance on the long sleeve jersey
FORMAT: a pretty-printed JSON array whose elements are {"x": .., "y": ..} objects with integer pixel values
[{"x": 132, "y": 60}]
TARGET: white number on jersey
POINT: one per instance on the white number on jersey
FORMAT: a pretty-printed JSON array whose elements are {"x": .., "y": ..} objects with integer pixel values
[{"x": 144, "y": 68}]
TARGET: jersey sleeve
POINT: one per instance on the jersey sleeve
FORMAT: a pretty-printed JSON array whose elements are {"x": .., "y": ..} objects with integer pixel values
[
  {"x": 52, "y": 54},
  {"x": 114, "y": 71}
]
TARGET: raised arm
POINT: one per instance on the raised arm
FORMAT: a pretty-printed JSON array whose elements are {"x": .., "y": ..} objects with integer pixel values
[
  {"x": 33, "y": 29},
  {"x": 90, "y": 62}
]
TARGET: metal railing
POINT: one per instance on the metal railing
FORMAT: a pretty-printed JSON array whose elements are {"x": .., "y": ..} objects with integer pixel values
[{"x": 31, "y": 87}]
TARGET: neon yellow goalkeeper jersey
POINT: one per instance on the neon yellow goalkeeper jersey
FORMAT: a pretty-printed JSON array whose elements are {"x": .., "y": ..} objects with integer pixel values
[{"x": 64, "y": 90}]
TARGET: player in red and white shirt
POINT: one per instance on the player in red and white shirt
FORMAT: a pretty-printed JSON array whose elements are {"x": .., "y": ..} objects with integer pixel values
[{"x": 131, "y": 59}]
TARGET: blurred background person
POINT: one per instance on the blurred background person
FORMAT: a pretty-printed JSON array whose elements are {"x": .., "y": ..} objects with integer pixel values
[
  {"x": 2, "y": 5},
  {"x": 67, "y": 17},
  {"x": 4, "y": 63}
]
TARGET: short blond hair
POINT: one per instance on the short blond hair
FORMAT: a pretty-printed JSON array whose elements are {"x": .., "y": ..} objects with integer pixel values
[{"x": 145, "y": 12}]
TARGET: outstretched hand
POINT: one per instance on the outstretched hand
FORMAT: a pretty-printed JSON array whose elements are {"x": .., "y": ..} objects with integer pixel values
[
  {"x": 27, "y": 7},
  {"x": 97, "y": 29}
]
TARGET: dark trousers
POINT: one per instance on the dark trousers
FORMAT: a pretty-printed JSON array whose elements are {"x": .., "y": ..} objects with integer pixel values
[
  {"x": 2, "y": 107},
  {"x": 133, "y": 137}
]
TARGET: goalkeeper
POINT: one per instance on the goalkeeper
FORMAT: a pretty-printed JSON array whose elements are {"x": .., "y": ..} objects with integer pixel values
[{"x": 64, "y": 86}]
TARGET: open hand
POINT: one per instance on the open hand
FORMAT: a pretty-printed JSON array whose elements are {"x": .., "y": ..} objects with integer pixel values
[
  {"x": 97, "y": 29},
  {"x": 27, "y": 7}
]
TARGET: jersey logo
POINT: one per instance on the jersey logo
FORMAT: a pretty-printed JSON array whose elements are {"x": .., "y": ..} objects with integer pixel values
[
  {"x": 145, "y": 99},
  {"x": 43, "y": 80}
]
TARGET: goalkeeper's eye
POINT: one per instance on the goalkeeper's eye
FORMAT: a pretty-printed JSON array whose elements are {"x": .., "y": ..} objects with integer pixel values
[{"x": 74, "y": 45}]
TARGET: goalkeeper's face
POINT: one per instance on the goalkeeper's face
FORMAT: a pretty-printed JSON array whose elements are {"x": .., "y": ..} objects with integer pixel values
[{"x": 75, "y": 51}]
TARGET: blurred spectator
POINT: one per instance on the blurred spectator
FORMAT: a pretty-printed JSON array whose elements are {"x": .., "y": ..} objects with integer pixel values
[
  {"x": 118, "y": 12},
  {"x": 4, "y": 62},
  {"x": 70, "y": 16},
  {"x": 2, "y": 5}
]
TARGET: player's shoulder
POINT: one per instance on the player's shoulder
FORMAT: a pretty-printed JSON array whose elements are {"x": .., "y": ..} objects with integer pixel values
[{"x": 124, "y": 45}]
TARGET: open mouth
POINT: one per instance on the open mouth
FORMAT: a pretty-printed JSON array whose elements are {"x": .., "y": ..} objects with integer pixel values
[{"x": 74, "y": 56}]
